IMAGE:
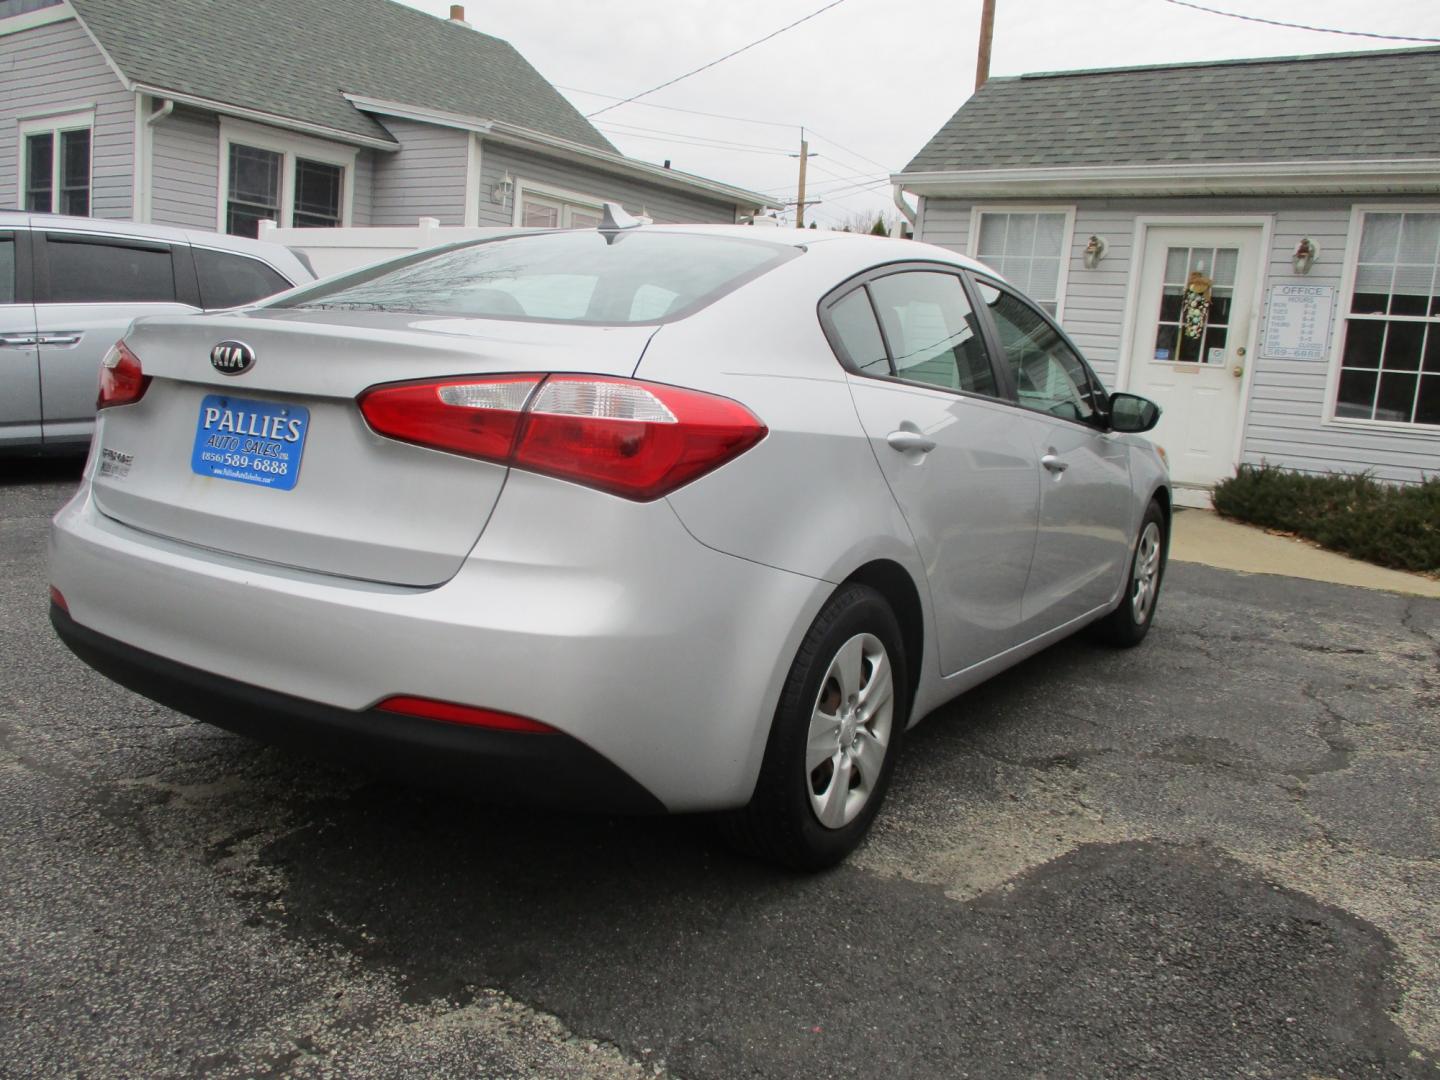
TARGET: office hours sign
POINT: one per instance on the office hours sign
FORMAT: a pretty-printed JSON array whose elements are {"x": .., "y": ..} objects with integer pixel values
[{"x": 1297, "y": 322}]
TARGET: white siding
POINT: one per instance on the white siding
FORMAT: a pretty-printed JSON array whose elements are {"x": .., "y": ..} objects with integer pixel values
[
  {"x": 663, "y": 204},
  {"x": 426, "y": 178},
  {"x": 185, "y": 170},
  {"x": 1285, "y": 420},
  {"x": 57, "y": 68}
]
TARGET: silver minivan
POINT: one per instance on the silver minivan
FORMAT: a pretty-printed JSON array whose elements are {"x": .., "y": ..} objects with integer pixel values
[{"x": 69, "y": 286}]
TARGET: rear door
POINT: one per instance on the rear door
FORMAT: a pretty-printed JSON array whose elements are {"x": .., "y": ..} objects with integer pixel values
[
  {"x": 19, "y": 356},
  {"x": 1086, "y": 503},
  {"x": 89, "y": 286},
  {"x": 962, "y": 470}
]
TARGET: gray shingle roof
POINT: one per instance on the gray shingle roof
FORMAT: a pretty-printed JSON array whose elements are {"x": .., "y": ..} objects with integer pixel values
[
  {"x": 296, "y": 58},
  {"x": 1344, "y": 106}
]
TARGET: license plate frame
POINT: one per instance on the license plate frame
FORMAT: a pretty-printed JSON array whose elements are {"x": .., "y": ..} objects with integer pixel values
[{"x": 250, "y": 441}]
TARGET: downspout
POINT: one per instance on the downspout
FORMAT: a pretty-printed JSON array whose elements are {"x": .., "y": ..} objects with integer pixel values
[
  {"x": 906, "y": 210},
  {"x": 146, "y": 166}
]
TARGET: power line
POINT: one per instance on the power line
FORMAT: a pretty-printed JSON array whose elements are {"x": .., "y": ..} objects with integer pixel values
[
  {"x": 712, "y": 63},
  {"x": 1301, "y": 26},
  {"x": 848, "y": 174},
  {"x": 616, "y": 125},
  {"x": 676, "y": 108},
  {"x": 702, "y": 145},
  {"x": 852, "y": 153}
]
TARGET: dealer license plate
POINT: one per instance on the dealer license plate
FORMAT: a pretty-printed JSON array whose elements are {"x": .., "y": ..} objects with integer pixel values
[{"x": 254, "y": 442}]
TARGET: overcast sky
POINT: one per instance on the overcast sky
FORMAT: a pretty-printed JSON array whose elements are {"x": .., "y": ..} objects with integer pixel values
[{"x": 880, "y": 76}]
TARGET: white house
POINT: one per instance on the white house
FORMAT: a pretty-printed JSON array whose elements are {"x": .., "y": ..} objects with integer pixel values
[
  {"x": 310, "y": 113},
  {"x": 1254, "y": 244}
]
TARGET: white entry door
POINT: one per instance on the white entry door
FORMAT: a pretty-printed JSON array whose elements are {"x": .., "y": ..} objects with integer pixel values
[{"x": 1189, "y": 352}]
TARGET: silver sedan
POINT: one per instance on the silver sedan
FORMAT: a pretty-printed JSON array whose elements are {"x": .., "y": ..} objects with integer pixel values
[{"x": 632, "y": 519}]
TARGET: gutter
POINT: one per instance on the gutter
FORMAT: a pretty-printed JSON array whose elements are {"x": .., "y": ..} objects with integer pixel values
[
  {"x": 370, "y": 142},
  {"x": 1187, "y": 178}
]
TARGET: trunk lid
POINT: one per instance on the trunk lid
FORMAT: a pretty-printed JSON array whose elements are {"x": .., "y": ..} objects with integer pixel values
[{"x": 361, "y": 505}]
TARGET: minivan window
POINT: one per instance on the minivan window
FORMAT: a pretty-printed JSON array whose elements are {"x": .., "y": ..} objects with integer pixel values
[
  {"x": 92, "y": 270},
  {"x": 575, "y": 276},
  {"x": 7, "y": 269},
  {"x": 228, "y": 280}
]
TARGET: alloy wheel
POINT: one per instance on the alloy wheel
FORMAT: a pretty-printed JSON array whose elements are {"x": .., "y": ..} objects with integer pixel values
[{"x": 1147, "y": 573}]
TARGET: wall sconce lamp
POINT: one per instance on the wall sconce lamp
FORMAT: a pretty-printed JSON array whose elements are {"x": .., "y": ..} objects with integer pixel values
[
  {"x": 501, "y": 192},
  {"x": 1306, "y": 252},
  {"x": 1095, "y": 251}
]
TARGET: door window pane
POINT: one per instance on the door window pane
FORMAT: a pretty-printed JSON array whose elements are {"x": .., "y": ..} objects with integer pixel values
[
  {"x": 94, "y": 271},
  {"x": 1027, "y": 249},
  {"x": 853, "y": 321},
  {"x": 228, "y": 280},
  {"x": 40, "y": 173},
  {"x": 1393, "y": 327},
  {"x": 75, "y": 172},
  {"x": 1192, "y": 325},
  {"x": 933, "y": 334},
  {"x": 1049, "y": 377},
  {"x": 318, "y": 194},
  {"x": 254, "y": 189},
  {"x": 7, "y": 270}
]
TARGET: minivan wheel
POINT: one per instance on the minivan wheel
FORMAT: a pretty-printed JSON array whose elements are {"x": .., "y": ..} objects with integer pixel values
[
  {"x": 833, "y": 743},
  {"x": 1129, "y": 623}
]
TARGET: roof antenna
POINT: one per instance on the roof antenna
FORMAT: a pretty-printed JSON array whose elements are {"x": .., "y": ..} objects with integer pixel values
[{"x": 615, "y": 220}]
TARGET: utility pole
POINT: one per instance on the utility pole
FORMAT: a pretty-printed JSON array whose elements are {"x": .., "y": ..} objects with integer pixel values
[
  {"x": 800, "y": 198},
  {"x": 987, "y": 34}
]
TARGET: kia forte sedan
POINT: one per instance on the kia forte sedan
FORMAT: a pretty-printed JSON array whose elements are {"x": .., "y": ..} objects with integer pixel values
[{"x": 631, "y": 519}]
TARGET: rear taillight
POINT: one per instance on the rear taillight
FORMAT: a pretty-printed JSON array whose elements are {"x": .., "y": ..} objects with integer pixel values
[
  {"x": 121, "y": 380},
  {"x": 635, "y": 439}
]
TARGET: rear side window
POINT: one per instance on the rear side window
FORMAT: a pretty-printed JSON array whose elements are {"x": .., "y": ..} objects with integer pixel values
[
  {"x": 933, "y": 333},
  {"x": 578, "y": 276},
  {"x": 90, "y": 270},
  {"x": 228, "y": 280},
  {"x": 859, "y": 334},
  {"x": 7, "y": 269}
]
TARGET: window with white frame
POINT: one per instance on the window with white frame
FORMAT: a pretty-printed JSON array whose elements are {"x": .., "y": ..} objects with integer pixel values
[
  {"x": 294, "y": 182},
  {"x": 1390, "y": 359},
  {"x": 544, "y": 208},
  {"x": 1026, "y": 247},
  {"x": 55, "y": 164}
]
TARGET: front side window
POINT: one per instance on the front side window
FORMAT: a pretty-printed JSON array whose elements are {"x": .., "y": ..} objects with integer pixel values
[
  {"x": 1027, "y": 249},
  {"x": 1390, "y": 361},
  {"x": 578, "y": 276},
  {"x": 57, "y": 170},
  {"x": 7, "y": 269},
  {"x": 1048, "y": 376},
  {"x": 90, "y": 270}
]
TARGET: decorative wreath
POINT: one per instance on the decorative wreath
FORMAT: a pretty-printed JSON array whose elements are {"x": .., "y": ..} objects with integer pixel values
[{"x": 1195, "y": 308}]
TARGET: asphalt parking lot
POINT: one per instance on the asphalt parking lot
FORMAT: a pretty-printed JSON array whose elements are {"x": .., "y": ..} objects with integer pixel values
[{"x": 1217, "y": 855}]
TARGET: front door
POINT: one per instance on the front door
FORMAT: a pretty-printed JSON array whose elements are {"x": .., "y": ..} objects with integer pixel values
[{"x": 1192, "y": 330}]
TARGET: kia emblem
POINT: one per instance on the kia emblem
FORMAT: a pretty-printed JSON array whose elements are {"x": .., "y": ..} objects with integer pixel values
[{"x": 232, "y": 358}]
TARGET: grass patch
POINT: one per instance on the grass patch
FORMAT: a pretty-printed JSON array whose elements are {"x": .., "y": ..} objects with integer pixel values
[{"x": 1394, "y": 525}]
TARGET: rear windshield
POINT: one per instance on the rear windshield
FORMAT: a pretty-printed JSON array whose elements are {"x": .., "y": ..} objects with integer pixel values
[{"x": 579, "y": 276}]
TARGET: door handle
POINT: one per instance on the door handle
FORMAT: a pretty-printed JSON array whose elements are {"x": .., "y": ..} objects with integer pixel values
[
  {"x": 59, "y": 339},
  {"x": 909, "y": 440},
  {"x": 17, "y": 341},
  {"x": 1053, "y": 463}
]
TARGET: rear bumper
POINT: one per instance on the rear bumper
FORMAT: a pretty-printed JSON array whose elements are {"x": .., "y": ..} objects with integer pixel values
[
  {"x": 601, "y": 618},
  {"x": 552, "y": 770}
]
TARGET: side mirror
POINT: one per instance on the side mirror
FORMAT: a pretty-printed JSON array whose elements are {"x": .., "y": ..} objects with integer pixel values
[{"x": 1132, "y": 413}]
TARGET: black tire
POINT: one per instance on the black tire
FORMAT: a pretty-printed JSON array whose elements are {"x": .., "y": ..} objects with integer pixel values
[
  {"x": 1125, "y": 627},
  {"x": 780, "y": 824}
]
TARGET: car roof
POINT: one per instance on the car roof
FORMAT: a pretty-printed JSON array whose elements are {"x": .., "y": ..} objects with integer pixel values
[
  {"x": 864, "y": 245},
  {"x": 277, "y": 255}
]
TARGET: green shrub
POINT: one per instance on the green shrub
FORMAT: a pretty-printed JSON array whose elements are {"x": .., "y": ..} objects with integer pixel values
[{"x": 1395, "y": 525}]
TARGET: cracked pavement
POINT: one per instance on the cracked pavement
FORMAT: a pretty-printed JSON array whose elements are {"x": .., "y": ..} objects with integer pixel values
[{"x": 1215, "y": 855}]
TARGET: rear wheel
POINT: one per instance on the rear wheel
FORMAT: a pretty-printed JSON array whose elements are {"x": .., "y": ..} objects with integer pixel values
[
  {"x": 1129, "y": 623},
  {"x": 833, "y": 743}
]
